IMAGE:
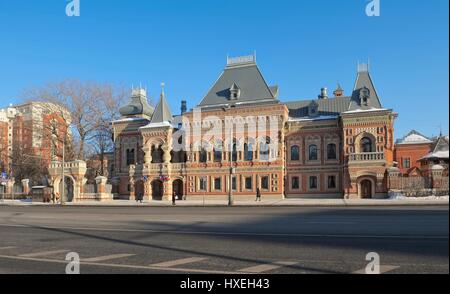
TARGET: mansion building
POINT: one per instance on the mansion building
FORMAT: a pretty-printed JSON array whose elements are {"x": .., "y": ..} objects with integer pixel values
[{"x": 327, "y": 147}]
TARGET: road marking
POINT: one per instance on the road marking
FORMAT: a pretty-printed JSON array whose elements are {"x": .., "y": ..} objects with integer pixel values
[
  {"x": 230, "y": 233},
  {"x": 126, "y": 266},
  {"x": 332, "y": 223},
  {"x": 178, "y": 262},
  {"x": 106, "y": 257},
  {"x": 383, "y": 269},
  {"x": 7, "y": 247},
  {"x": 43, "y": 253},
  {"x": 266, "y": 267}
]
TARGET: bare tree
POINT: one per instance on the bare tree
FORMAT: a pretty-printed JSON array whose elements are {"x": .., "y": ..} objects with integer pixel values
[
  {"x": 111, "y": 99},
  {"x": 81, "y": 101}
]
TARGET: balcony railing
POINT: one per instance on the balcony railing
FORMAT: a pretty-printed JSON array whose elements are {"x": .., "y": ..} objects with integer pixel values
[{"x": 368, "y": 156}]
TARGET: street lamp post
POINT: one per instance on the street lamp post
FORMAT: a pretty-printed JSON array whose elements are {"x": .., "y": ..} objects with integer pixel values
[
  {"x": 62, "y": 172},
  {"x": 230, "y": 189}
]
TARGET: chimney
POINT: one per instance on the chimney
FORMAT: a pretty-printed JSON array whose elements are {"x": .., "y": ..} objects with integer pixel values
[
  {"x": 323, "y": 93},
  {"x": 183, "y": 107}
]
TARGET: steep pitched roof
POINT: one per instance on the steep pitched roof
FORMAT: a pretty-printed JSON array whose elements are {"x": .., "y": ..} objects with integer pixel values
[
  {"x": 247, "y": 77},
  {"x": 364, "y": 88},
  {"x": 414, "y": 137},
  {"x": 441, "y": 145},
  {"x": 162, "y": 112},
  {"x": 440, "y": 150}
]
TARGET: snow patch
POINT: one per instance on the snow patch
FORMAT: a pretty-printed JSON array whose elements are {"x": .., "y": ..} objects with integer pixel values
[{"x": 400, "y": 196}]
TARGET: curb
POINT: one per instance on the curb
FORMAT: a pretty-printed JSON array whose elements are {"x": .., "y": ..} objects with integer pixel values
[{"x": 146, "y": 205}]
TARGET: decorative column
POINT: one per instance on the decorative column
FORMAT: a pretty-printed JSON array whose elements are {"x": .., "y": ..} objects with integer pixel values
[{"x": 147, "y": 154}]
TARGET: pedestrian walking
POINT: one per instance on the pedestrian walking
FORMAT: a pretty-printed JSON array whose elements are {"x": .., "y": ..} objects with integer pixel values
[
  {"x": 140, "y": 197},
  {"x": 258, "y": 194},
  {"x": 174, "y": 198}
]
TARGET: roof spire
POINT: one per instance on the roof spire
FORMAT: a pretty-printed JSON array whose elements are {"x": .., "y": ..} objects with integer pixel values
[{"x": 162, "y": 112}]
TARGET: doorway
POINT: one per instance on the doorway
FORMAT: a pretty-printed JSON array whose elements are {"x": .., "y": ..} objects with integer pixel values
[{"x": 157, "y": 190}]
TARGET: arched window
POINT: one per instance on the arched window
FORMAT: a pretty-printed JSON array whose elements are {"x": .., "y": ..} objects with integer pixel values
[
  {"x": 157, "y": 154},
  {"x": 295, "y": 153},
  {"x": 234, "y": 154},
  {"x": 331, "y": 151},
  {"x": 203, "y": 156},
  {"x": 218, "y": 151},
  {"x": 366, "y": 145},
  {"x": 312, "y": 152},
  {"x": 264, "y": 151},
  {"x": 248, "y": 152},
  {"x": 130, "y": 156}
]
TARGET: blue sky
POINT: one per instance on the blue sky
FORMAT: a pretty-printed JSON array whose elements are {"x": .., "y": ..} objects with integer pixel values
[{"x": 301, "y": 46}]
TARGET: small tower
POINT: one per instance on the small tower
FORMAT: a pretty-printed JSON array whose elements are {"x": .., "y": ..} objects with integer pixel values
[{"x": 338, "y": 92}]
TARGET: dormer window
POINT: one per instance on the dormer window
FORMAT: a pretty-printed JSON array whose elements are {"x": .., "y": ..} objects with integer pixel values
[
  {"x": 313, "y": 109},
  {"x": 235, "y": 92},
  {"x": 364, "y": 95}
]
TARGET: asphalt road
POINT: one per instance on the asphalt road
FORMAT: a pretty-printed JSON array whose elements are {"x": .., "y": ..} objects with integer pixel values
[{"x": 260, "y": 240}]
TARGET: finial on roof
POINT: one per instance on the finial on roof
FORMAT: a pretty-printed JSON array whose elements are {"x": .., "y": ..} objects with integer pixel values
[{"x": 162, "y": 89}]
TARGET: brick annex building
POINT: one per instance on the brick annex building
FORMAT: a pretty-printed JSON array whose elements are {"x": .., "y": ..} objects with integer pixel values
[
  {"x": 25, "y": 134},
  {"x": 329, "y": 147}
]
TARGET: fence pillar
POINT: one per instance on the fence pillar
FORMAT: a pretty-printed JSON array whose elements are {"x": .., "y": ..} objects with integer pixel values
[
  {"x": 101, "y": 184},
  {"x": 436, "y": 176},
  {"x": 10, "y": 187},
  {"x": 26, "y": 186}
]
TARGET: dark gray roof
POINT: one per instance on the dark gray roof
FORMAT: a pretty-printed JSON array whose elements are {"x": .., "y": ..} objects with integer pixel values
[
  {"x": 364, "y": 82},
  {"x": 441, "y": 145},
  {"x": 247, "y": 77},
  {"x": 162, "y": 112},
  {"x": 138, "y": 105},
  {"x": 328, "y": 107}
]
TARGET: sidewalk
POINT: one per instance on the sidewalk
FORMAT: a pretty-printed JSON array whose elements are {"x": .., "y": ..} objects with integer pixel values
[{"x": 246, "y": 203}]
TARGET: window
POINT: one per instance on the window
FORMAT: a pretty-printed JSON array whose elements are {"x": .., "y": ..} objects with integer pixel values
[
  {"x": 313, "y": 152},
  {"x": 248, "y": 183},
  {"x": 234, "y": 183},
  {"x": 295, "y": 183},
  {"x": 218, "y": 152},
  {"x": 295, "y": 153},
  {"x": 217, "y": 184},
  {"x": 203, "y": 155},
  {"x": 406, "y": 162},
  {"x": 202, "y": 183},
  {"x": 234, "y": 153},
  {"x": 264, "y": 149},
  {"x": 313, "y": 182},
  {"x": 265, "y": 183},
  {"x": 130, "y": 156},
  {"x": 157, "y": 154},
  {"x": 331, "y": 182},
  {"x": 366, "y": 145},
  {"x": 217, "y": 155},
  {"x": 331, "y": 151},
  {"x": 248, "y": 152}
]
